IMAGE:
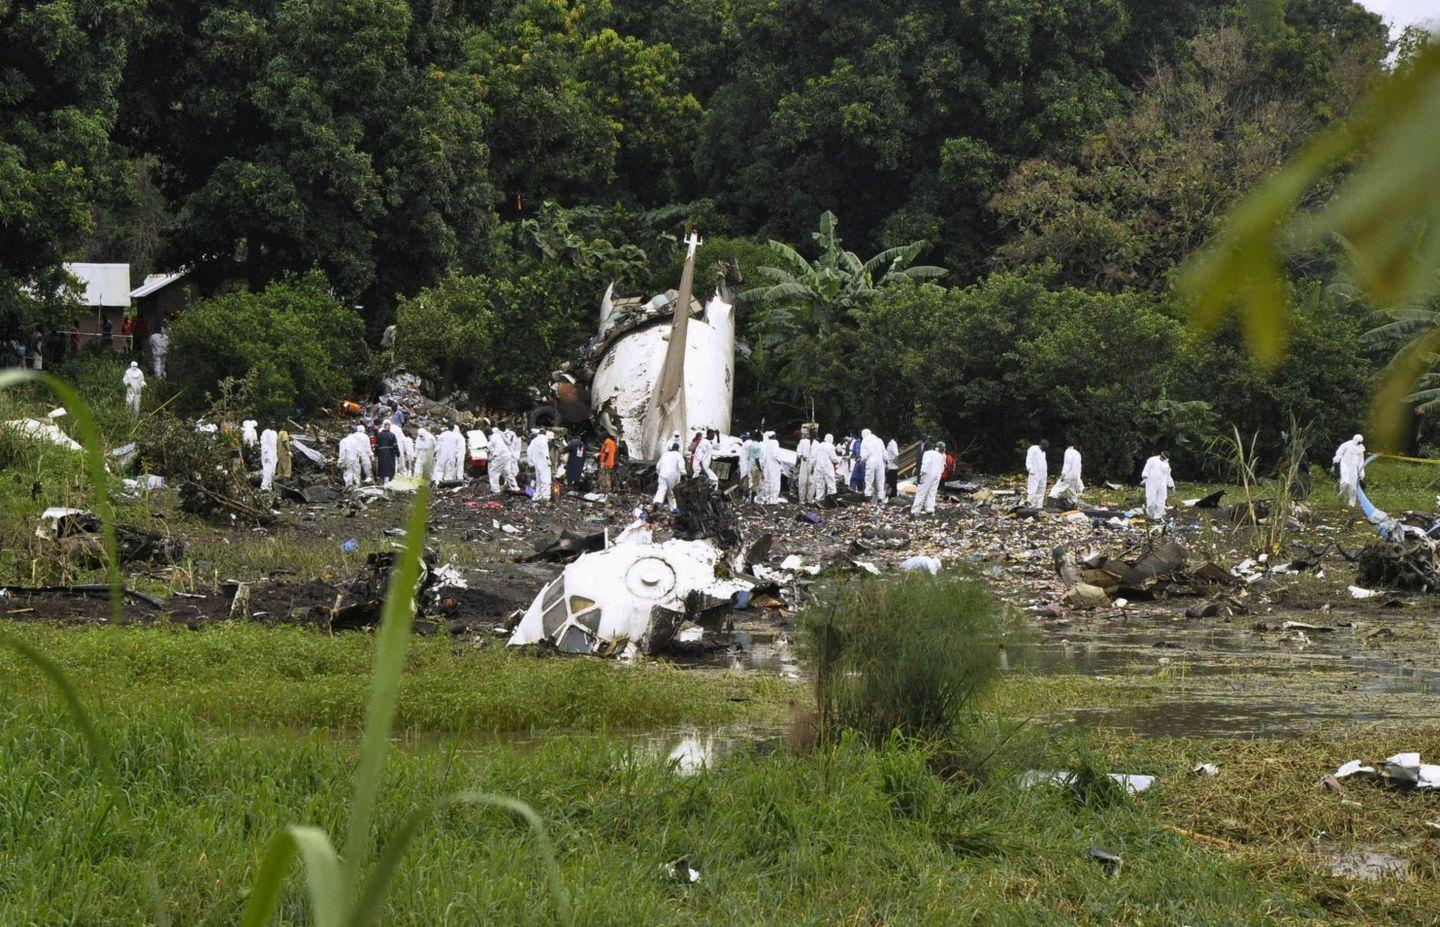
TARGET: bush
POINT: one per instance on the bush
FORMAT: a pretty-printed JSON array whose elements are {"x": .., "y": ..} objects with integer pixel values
[
  {"x": 1008, "y": 361},
  {"x": 492, "y": 337},
  {"x": 293, "y": 345},
  {"x": 903, "y": 656}
]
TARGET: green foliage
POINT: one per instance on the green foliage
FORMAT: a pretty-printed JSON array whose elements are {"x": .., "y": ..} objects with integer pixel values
[
  {"x": 293, "y": 345},
  {"x": 495, "y": 338},
  {"x": 1148, "y": 188},
  {"x": 1323, "y": 384},
  {"x": 802, "y": 306},
  {"x": 905, "y": 656},
  {"x": 58, "y": 102},
  {"x": 1385, "y": 213},
  {"x": 1008, "y": 361}
]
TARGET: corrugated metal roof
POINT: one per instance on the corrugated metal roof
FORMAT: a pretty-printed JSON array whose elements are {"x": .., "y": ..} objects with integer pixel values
[
  {"x": 104, "y": 284},
  {"x": 156, "y": 282}
]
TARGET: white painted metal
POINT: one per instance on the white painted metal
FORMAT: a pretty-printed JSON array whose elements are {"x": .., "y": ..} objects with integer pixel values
[{"x": 626, "y": 375}]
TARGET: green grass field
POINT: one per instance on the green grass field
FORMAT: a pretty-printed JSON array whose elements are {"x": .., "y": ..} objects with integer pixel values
[{"x": 217, "y": 738}]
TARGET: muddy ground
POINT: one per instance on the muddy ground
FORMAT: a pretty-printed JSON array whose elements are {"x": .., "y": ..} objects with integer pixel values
[{"x": 1270, "y": 652}]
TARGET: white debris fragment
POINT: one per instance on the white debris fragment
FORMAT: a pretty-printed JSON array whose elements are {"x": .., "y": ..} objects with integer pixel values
[
  {"x": 448, "y": 577},
  {"x": 929, "y": 565},
  {"x": 1133, "y": 784},
  {"x": 1206, "y": 769},
  {"x": 636, "y": 591},
  {"x": 36, "y": 430},
  {"x": 1356, "y": 592}
]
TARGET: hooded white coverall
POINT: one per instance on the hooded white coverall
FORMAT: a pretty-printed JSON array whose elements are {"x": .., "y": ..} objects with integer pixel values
[
  {"x": 424, "y": 454},
  {"x": 804, "y": 471},
  {"x": 269, "y": 457},
  {"x": 159, "y": 347},
  {"x": 1350, "y": 457},
  {"x": 770, "y": 470},
  {"x": 356, "y": 459},
  {"x": 134, "y": 381},
  {"x": 449, "y": 455},
  {"x": 248, "y": 434},
  {"x": 1069, "y": 486},
  {"x": 405, "y": 446},
  {"x": 927, "y": 487},
  {"x": 822, "y": 468},
  {"x": 512, "y": 474},
  {"x": 498, "y": 468},
  {"x": 669, "y": 470},
  {"x": 1036, "y": 469},
  {"x": 1156, "y": 477},
  {"x": 872, "y": 454},
  {"x": 538, "y": 455},
  {"x": 752, "y": 468},
  {"x": 704, "y": 453}
]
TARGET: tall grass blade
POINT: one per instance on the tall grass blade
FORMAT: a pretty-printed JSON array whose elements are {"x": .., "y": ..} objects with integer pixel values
[
  {"x": 394, "y": 642},
  {"x": 368, "y": 909},
  {"x": 322, "y": 877}
]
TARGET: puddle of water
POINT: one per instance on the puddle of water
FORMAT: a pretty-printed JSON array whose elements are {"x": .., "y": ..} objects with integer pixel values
[
  {"x": 1218, "y": 718},
  {"x": 690, "y": 749}
]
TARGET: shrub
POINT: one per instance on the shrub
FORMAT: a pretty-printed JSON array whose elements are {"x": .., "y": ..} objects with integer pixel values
[
  {"x": 903, "y": 656},
  {"x": 294, "y": 345},
  {"x": 492, "y": 337},
  {"x": 1009, "y": 360}
]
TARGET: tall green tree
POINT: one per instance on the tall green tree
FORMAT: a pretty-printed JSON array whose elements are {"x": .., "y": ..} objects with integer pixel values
[
  {"x": 59, "y": 94},
  {"x": 295, "y": 133},
  {"x": 803, "y": 304}
]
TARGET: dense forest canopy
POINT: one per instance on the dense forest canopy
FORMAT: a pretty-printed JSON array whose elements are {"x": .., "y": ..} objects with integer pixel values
[{"x": 1084, "y": 147}]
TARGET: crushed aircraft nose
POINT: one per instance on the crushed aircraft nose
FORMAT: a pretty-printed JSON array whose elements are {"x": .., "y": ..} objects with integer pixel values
[{"x": 635, "y": 592}]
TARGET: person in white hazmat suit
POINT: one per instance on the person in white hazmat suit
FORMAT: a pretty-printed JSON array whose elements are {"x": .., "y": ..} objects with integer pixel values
[
  {"x": 449, "y": 455},
  {"x": 804, "y": 471},
  {"x": 406, "y": 448},
  {"x": 538, "y": 456},
  {"x": 822, "y": 468},
  {"x": 248, "y": 434},
  {"x": 512, "y": 473},
  {"x": 872, "y": 454},
  {"x": 770, "y": 470},
  {"x": 704, "y": 454},
  {"x": 159, "y": 347},
  {"x": 669, "y": 470},
  {"x": 1069, "y": 487},
  {"x": 927, "y": 486},
  {"x": 356, "y": 459},
  {"x": 1350, "y": 460},
  {"x": 424, "y": 454},
  {"x": 1036, "y": 475},
  {"x": 752, "y": 472},
  {"x": 269, "y": 457},
  {"x": 1156, "y": 477},
  {"x": 498, "y": 467},
  {"x": 134, "y": 380}
]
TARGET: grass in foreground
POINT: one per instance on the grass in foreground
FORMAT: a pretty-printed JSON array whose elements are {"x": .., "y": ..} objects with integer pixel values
[
  {"x": 858, "y": 835},
  {"x": 246, "y": 676}
]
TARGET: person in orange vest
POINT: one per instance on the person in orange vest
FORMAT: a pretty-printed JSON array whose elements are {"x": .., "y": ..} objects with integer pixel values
[{"x": 609, "y": 450}]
